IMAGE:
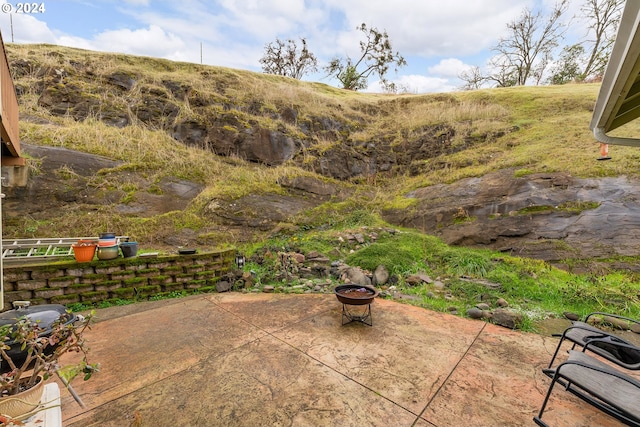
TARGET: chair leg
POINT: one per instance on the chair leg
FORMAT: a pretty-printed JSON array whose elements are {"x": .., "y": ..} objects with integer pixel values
[
  {"x": 556, "y": 352},
  {"x": 538, "y": 418}
]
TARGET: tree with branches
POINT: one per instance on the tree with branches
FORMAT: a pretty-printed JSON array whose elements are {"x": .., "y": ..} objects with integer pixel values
[
  {"x": 588, "y": 59},
  {"x": 604, "y": 17},
  {"x": 286, "y": 59},
  {"x": 527, "y": 50},
  {"x": 473, "y": 78},
  {"x": 567, "y": 68},
  {"x": 376, "y": 57}
]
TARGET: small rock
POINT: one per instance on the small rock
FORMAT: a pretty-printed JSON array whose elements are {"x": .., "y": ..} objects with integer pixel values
[
  {"x": 247, "y": 278},
  {"x": 424, "y": 277},
  {"x": 223, "y": 286},
  {"x": 380, "y": 276},
  {"x": 617, "y": 323},
  {"x": 413, "y": 280},
  {"x": 487, "y": 314},
  {"x": 299, "y": 258},
  {"x": 635, "y": 328},
  {"x": 430, "y": 294},
  {"x": 474, "y": 313},
  {"x": 452, "y": 308},
  {"x": 357, "y": 276},
  {"x": 571, "y": 316},
  {"x": 438, "y": 285},
  {"x": 508, "y": 319},
  {"x": 268, "y": 289},
  {"x": 483, "y": 306},
  {"x": 502, "y": 302}
]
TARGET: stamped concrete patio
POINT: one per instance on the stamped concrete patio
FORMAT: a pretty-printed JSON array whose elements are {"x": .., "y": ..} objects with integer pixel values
[{"x": 286, "y": 360}]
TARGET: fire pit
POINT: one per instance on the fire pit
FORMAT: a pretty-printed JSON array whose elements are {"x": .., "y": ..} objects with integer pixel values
[{"x": 350, "y": 295}]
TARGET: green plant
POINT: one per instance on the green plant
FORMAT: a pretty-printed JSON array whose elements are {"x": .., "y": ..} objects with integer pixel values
[
  {"x": 78, "y": 306},
  {"x": 28, "y": 346}
]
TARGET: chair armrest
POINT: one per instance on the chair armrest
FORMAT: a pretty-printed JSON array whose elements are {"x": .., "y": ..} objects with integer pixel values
[
  {"x": 616, "y": 350},
  {"x": 597, "y": 332}
]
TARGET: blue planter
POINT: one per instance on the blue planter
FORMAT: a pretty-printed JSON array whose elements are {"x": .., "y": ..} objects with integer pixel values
[{"x": 129, "y": 249}]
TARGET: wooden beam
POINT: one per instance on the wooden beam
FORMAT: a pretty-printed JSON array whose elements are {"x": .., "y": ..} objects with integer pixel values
[{"x": 13, "y": 161}]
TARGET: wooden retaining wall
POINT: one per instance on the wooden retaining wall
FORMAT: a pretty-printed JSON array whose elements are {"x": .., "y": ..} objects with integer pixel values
[{"x": 67, "y": 282}]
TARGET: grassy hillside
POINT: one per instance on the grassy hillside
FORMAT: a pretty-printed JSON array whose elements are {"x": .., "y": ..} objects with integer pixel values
[{"x": 529, "y": 129}]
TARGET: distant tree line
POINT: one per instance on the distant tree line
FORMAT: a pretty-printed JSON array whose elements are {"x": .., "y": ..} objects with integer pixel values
[
  {"x": 376, "y": 56},
  {"x": 529, "y": 53},
  {"x": 526, "y": 54}
]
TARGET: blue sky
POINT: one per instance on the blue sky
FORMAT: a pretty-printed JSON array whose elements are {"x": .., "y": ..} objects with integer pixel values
[{"x": 438, "y": 38}]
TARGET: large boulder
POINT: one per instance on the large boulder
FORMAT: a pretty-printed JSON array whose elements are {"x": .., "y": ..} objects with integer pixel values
[
  {"x": 551, "y": 216},
  {"x": 267, "y": 146}
]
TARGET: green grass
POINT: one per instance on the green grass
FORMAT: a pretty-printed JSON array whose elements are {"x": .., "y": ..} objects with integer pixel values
[
  {"x": 531, "y": 287},
  {"x": 529, "y": 129}
]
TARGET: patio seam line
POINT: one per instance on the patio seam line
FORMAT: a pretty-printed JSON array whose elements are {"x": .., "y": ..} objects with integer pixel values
[
  {"x": 81, "y": 415},
  {"x": 271, "y": 334},
  {"x": 449, "y": 376}
]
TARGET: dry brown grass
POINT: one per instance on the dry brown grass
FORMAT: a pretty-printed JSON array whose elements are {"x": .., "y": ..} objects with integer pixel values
[{"x": 529, "y": 129}]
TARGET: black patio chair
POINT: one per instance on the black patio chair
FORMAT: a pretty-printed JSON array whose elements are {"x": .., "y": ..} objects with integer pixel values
[
  {"x": 602, "y": 385},
  {"x": 581, "y": 332}
]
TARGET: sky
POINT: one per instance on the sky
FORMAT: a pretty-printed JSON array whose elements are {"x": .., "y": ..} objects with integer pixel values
[{"x": 438, "y": 38}]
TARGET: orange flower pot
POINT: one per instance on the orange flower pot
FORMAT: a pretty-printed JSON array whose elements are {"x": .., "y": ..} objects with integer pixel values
[{"x": 84, "y": 252}]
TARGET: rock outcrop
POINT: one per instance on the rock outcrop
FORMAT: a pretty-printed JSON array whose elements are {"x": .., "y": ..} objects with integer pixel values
[
  {"x": 212, "y": 117},
  {"x": 550, "y": 216}
]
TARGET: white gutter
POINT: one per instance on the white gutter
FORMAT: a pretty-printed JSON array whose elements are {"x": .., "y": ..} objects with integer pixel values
[
  {"x": 623, "y": 69},
  {"x": 614, "y": 140}
]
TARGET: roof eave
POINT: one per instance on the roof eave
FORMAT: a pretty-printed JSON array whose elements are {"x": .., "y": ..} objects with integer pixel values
[{"x": 618, "y": 101}]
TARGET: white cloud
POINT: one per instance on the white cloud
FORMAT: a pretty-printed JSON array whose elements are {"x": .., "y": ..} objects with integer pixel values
[
  {"x": 453, "y": 27},
  {"x": 416, "y": 84},
  {"x": 451, "y": 67},
  {"x": 151, "y": 41},
  {"x": 436, "y": 38},
  {"x": 25, "y": 29}
]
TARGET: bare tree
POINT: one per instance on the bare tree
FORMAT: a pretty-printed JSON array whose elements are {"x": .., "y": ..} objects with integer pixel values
[
  {"x": 503, "y": 73},
  {"x": 377, "y": 55},
  {"x": 603, "y": 17},
  {"x": 473, "y": 78},
  {"x": 285, "y": 59},
  {"x": 526, "y": 51}
]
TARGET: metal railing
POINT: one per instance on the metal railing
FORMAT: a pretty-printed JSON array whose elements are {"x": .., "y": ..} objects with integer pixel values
[{"x": 32, "y": 249}]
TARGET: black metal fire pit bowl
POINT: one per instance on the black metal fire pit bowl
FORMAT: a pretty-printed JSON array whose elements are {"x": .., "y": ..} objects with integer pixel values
[{"x": 350, "y": 295}]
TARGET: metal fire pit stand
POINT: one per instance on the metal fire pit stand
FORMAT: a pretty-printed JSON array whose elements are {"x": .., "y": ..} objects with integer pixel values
[{"x": 363, "y": 317}]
